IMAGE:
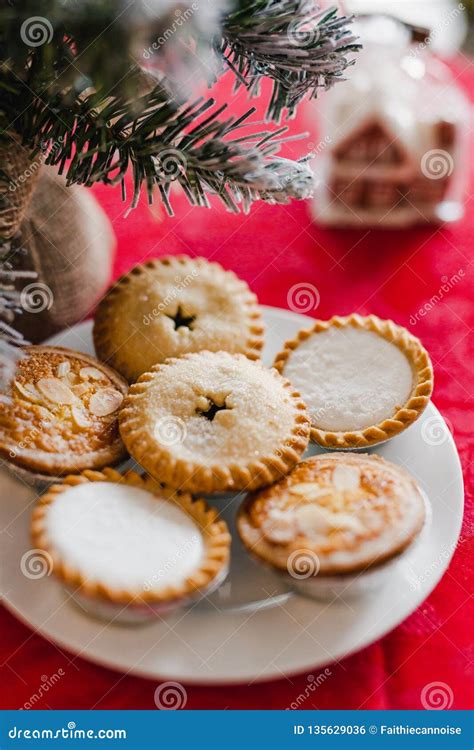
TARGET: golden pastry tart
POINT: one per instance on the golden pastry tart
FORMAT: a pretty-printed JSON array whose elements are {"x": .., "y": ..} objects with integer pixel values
[
  {"x": 124, "y": 540},
  {"x": 363, "y": 380},
  {"x": 61, "y": 413},
  {"x": 339, "y": 512},
  {"x": 214, "y": 421},
  {"x": 173, "y": 305}
]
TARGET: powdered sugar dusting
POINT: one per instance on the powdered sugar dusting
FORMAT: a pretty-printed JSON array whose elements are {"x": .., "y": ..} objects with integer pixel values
[
  {"x": 124, "y": 537},
  {"x": 349, "y": 378}
]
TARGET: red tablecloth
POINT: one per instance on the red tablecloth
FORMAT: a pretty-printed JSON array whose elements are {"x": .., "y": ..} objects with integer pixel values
[{"x": 392, "y": 274}]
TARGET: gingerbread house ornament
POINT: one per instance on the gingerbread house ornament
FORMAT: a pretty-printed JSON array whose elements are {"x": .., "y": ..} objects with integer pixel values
[{"x": 391, "y": 141}]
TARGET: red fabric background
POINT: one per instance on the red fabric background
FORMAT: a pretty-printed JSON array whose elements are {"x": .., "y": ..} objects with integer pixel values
[{"x": 392, "y": 274}]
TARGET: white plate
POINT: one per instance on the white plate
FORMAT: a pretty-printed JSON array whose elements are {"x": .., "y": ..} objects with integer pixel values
[{"x": 231, "y": 637}]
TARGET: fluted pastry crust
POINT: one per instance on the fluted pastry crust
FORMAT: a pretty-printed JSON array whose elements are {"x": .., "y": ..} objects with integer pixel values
[
  {"x": 61, "y": 413},
  {"x": 255, "y": 431},
  {"x": 213, "y": 530},
  {"x": 405, "y": 415},
  {"x": 171, "y": 306},
  {"x": 340, "y": 512}
]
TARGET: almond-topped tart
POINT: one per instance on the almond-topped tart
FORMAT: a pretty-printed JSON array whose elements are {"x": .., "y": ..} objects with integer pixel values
[
  {"x": 333, "y": 522},
  {"x": 214, "y": 422},
  {"x": 125, "y": 547},
  {"x": 60, "y": 415},
  {"x": 173, "y": 305},
  {"x": 363, "y": 380}
]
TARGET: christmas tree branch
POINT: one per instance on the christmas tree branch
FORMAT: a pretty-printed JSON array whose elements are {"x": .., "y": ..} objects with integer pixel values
[
  {"x": 300, "y": 48},
  {"x": 100, "y": 138}
]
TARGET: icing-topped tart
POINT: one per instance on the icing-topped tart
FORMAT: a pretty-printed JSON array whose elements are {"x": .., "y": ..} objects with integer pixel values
[
  {"x": 346, "y": 512},
  {"x": 60, "y": 415},
  {"x": 124, "y": 540},
  {"x": 363, "y": 380},
  {"x": 171, "y": 306},
  {"x": 214, "y": 421}
]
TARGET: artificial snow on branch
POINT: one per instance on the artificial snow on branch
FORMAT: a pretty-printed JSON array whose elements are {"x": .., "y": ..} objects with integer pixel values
[
  {"x": 99, "y": 89},
  {"x": 68, "y": 95},
  {"x": 298, "y": 46}
]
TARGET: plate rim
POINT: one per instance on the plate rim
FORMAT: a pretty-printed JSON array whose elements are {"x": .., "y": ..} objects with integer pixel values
[{"x": 273, "y": 673}]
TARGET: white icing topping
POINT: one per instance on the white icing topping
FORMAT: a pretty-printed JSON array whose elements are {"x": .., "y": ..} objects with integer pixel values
[
  {"x": 346, "y": 477},
  {"x": 124, "y": 537},
  {"x": 350, "y": 378}
]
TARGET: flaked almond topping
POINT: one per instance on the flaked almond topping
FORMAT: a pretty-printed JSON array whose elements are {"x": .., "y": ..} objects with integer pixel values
[
  {"x": 63, "y": 369},
  {"x": 314, "y": 520},
  {"x": 91, "y": 373},
  {"x": 309, "y": 490},
  {"x": 279, "y": 527},
  {"x": 80, "y": 417},
  {"x": 346, "y": 522},
  {"x": 80, "y": 389},
  {"x": 311, "y": 519},
  {"x": 44, "y": 413},
  {"x": 346, "y": 478},
  {"x": 28, "y": 391},
  {"x": 55, "y": 390},
  {"x": 105, "y": 401}
]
